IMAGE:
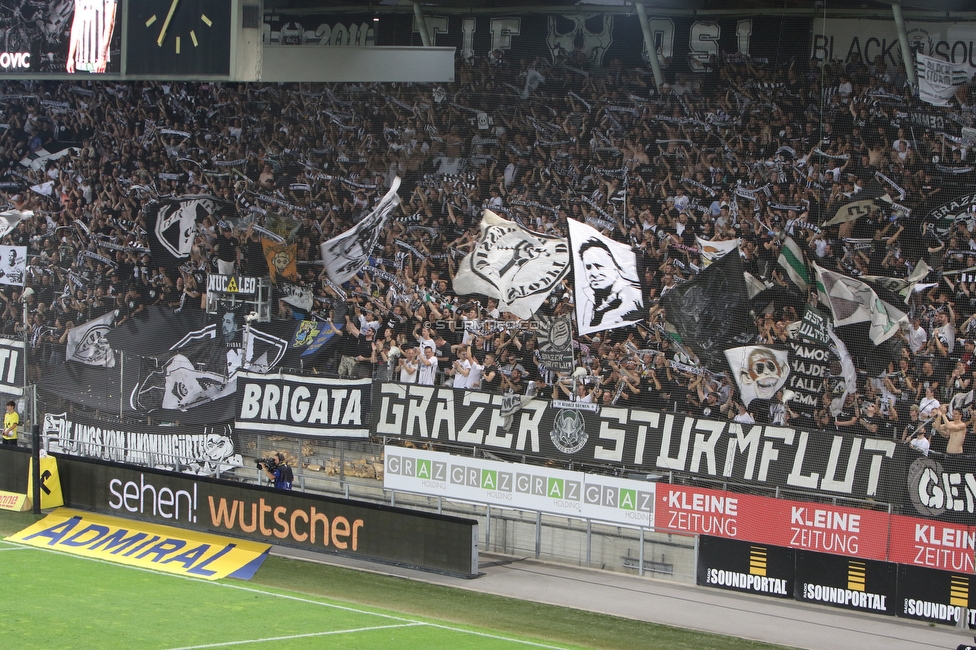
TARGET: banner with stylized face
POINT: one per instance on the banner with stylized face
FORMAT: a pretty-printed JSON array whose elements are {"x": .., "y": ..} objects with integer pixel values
[
  {"x": 607, "y": 285},
  {"x": 759, "y": 371}
]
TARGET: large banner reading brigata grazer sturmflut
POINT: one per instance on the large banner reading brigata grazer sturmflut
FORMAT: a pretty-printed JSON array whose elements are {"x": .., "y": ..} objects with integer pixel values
[{"x": 831, "y": 463}]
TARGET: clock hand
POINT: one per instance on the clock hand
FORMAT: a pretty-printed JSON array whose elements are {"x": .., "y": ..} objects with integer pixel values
[{"x": 169, "y": 17}]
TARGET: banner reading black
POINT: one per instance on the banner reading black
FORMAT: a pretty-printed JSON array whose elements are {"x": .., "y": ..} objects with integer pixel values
[
  {"x": 741, "y": 566},
  {"x": 312, "y": 522},
  {"x": 815, "y": 461},
  {"x": 861, "y": 585}
]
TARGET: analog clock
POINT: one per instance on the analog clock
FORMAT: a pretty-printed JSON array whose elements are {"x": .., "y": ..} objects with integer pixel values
[{"x": 179, "y": 37}]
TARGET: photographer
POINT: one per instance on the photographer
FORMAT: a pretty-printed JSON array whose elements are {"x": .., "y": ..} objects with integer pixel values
[{"x": 277, "y": 471}]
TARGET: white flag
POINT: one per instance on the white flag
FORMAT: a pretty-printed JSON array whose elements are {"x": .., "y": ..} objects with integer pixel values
[
  {"x": 87, "y": 343},
  {"x": 758, "y": 370},
  {"x": 938, "y": 80},
  {"x": 852, "y": 301},
  {"x": 517, "y": 266},
  {"x": 347, "y": 254},
  {"x": 607, "y": 285}
]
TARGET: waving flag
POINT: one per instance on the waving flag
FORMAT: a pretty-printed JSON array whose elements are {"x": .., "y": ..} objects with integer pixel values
[
  {"x": 791, "y": 259},
  {"x": 347, "y": 254},
  {"x": 607, "y": 284},
  {"x": 517, "y": 266},
  {"x": 852, "y": 301}
]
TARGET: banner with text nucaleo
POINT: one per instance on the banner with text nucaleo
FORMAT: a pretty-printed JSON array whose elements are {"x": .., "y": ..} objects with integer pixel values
[{"x": 150, "y": 546}]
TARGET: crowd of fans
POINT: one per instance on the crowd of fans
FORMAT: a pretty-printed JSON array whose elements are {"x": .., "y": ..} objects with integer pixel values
[{"x": 741, "y": 151}]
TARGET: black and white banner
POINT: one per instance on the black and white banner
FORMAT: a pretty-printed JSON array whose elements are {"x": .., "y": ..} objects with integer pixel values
[
  {"x": 296, "y": 295},
  {"x": 11, "y": 367},
  {"x": 830, "y": 463},
  {"x": 518, "y": 267},
  {"x": 201, "y": 450},
  {"x": 758, "y": 371},
  {"x": 555, "y": 339},
  {"x": 606, "y": 281},
  {"x": 87, "y": 343},
  {"x": 172, "y": 224},
  {"x": 347, "y": 254},
  {"x": 13, "y": 265},
  {"x": 809, "y": 367},
  {"x": 938, "y": 80},
  {"x": 303, "y": 405},
  {"x": 10, "y": 218}
]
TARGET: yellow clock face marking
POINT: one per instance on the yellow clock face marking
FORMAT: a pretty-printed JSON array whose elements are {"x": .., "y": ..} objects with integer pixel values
[
  {"x": 151, "y": 20},
  {"x": 193, "y": 37},
  {"x": 162, "y": 34},
  {"x": 177, "y": 44},
  {"x": 204, "y": 18}
]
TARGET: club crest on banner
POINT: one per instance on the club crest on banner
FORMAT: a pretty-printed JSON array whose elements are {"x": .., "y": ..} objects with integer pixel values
[
  {"x": 569, "y": 431},
  {"x": 175, "y": 223}
]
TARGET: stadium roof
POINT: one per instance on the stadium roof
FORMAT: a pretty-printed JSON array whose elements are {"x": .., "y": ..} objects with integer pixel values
[{"x": 933, "y": 8}]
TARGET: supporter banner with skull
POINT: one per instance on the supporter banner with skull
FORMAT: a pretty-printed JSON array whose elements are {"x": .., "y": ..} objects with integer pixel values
[
  {"x": 517, "y": 266},
  {"x": 606, "y": 281},
  {"x": 187, "y": 449},
  {"x": 13, "y": 265},
  {"x": 759, "y": 371},
  {"x": 281, "y": 259},
  {"x": 828, "y": 463},
  {"x": 172, "y": 224},
  {"x": 577, "y": 40}
]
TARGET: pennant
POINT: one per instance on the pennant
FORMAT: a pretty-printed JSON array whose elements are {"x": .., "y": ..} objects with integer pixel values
[
  {"x": 852, "y": 301},
  {"x": 712, "y": 250},
  {"x": 87, "y": 343},
  {"x": 345, "y": 255},
  {"x": 13, "y": 265},
  {"x": 759, "y": 371},
  {"x": 606, "y": 281},
  {"x": 791, "y": 258},
  {"x": 281, "y": 259},
  {"x": 711, "y": 313},
  {"x": 938, "y": 80},
  {"x": 172, "y": 225},
  {"x": 517, "y": 266}
]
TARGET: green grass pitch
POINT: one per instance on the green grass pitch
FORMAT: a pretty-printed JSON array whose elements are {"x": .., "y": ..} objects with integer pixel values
[{"x": 53, "y": 600}]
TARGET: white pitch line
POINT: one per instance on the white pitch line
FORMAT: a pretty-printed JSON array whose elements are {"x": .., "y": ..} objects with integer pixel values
[
  {"x": 14, "y": 549},
  {"x": 298, "y": 636},
  {"x": 288, "y": 597}
]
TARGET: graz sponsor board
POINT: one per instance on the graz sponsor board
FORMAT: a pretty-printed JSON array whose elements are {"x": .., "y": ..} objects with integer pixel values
[
  {"x": 315, "y": 523},
  {"x": 849, "y": 583},
  {"x": 520, "y": 486},
  {"x": 936, "y": 596},
  {"x": 150, "y": 546},
  {"x": 932, "y": 544},
  {"x": 742, "y": 566},
  {"x": 818, "y": 527},
  {"x": 831, "y": 463},
  {"x": 303, "y": 405},
  {"x": 192, "y": 449}
]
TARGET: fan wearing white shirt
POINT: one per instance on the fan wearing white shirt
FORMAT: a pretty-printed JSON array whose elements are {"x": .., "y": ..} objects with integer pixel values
[{"x": 427, "y": 371}]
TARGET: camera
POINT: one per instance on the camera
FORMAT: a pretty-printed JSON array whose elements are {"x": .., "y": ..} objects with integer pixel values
[{"x": 269, "y": 463}]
